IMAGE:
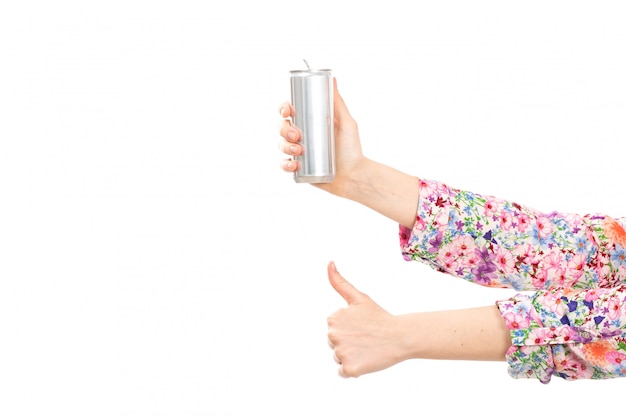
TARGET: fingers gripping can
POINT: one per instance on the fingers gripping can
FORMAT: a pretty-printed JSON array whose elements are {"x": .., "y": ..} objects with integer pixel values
[{"x": 312, "y": 98}]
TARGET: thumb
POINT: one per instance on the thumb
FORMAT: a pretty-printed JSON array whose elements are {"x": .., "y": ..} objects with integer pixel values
[
  {"x": 343, "y": 287},
  {"x": 341, "y": 112}
]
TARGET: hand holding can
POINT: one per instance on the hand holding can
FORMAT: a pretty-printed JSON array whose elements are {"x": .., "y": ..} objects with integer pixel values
[{"x": 312, "y": 98}]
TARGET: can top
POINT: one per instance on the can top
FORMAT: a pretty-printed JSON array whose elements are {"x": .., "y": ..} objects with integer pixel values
[{"x": 309, "y": 71}]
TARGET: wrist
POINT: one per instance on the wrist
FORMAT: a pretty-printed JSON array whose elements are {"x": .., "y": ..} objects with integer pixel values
[
  {"x": 349, "y": 183},
  {"x": 357, "y": 185},
  {"x": 410, "y": 338}
]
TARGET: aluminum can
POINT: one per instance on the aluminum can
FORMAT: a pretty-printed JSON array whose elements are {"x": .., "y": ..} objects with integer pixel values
[{"x": 312, "y": 98}]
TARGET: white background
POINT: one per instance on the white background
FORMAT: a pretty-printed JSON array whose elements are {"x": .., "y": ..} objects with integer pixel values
[{"x": 155, "y": 261}]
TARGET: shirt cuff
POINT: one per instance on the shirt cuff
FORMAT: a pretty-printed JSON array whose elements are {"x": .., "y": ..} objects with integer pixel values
[{"x": 525, "y": 360}]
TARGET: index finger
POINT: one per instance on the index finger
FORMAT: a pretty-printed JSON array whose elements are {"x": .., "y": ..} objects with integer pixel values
[{"x": 286, "y": 110}]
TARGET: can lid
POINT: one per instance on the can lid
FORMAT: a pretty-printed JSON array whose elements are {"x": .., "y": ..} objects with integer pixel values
[{"x": 309, "y": 71}]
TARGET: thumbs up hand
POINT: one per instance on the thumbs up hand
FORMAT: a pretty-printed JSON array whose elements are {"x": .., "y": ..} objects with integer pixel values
[{"x": 364, "y": 337}]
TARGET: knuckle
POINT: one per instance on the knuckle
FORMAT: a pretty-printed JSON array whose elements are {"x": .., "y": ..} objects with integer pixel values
[
  {"x": 332, "y": 336},
  {"x": 349, "y": 370}
]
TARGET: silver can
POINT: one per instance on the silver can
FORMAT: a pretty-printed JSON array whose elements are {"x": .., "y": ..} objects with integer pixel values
[{"x": 312, "y": 98}]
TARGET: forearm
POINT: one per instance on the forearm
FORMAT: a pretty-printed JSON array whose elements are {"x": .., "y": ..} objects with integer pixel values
[
  {"x": 386, "y": 190},
  {"x": 467, "y": 334}
]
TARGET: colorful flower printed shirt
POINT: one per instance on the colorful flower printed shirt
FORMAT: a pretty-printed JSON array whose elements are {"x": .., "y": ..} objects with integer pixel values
[{"x": 569, "y": 319}]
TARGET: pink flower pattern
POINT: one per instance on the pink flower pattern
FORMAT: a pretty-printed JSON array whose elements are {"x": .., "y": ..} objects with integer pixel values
[{"x": 569, "y": 318}]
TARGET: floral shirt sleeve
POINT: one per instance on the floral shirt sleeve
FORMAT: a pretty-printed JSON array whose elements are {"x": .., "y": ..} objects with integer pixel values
[
  {"x": 499, "y": 243},
  {"x": 572, "y": 324}
]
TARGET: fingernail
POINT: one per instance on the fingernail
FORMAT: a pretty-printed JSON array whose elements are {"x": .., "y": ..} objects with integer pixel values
[
  {"x": 282, "y": 111},
  {"x": 294, "y": 149},
  {"x": 291, "y": 165},
  {"x": 333, "y": 266},
  {"x": 291, "y": 135}
]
